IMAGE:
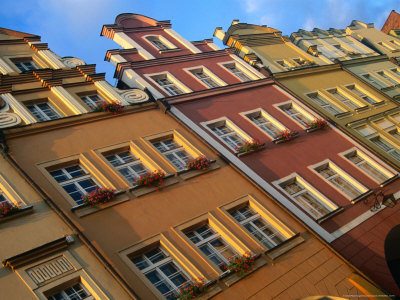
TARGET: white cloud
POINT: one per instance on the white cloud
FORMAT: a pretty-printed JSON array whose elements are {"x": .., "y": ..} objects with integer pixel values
[
  {"x": 310, "y": 24},
  {"x": 253, "y": 5}
]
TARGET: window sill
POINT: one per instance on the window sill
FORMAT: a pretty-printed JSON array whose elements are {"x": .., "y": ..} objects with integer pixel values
[
  {"x": 240, "y": 154},
  {"x": 389, "y": 88},
  {"x": 279, "y": 141},
  {"x": 390, "y": 180},
  {"x": 212, "y": 290},
  {"x": 231, "y": 278},
  {"x": 362, "y": 109},
  {"x": 361, "y": 197},
  {"x": 143, "y": 190},
  {"x": 169, "y": 50},
  {"x": 187, "y": 174},
  {"x": 378, "y": 104},
  {"x": 285, "y": 246},
  {"x": 86, "y": 209},
  {"x": 330, "y": 215},
  {"x": 344, "y": 114},
  {"x": 308, "y": 130},
  {"x": 19, "y": 213}
]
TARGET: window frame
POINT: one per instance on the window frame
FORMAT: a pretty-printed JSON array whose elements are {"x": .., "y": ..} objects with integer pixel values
[
  {"x": 10, "y": 194},
  {"x": 387, "y": 77},
  {"x": 45, "y": 116},
  {"x": 267, "y": 117},
  {"x": 227, "y": 122},
  {"x": 339, "y": 173},
  {"x": 183, "y": 88},
  {"x": 247, "y": 73},
  {"x": 354, "y": 103},
  {"x": 301, "y": 110},
  {"x": 324, "y": 201},
  {"x": 206, "y": 71},
  {"x": 353, "y": 86},
  {"x": 339, "y": 109},
  {"x": 373, "y": 80},
  {"x": 87, "y": 96},
  {"x": 169, "y": 45},
  {"x": 23, "y": 60}
]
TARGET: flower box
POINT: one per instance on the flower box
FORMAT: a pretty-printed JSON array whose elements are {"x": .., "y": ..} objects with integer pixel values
[
  {"x": 153, "y": 179},
  {"x": 249, "y": 146},
  {"x": 99, "y": 196},
  {"x": 199, "y": 163},
  {"x": 285, "y": 135},
  {"x": 190, "y": 290},
  {"x": 240, "y": 264},
  {"x": 316, "y": 124},
  {"x": 113, "y": 107},
  {"x": 8, "y": 209}
]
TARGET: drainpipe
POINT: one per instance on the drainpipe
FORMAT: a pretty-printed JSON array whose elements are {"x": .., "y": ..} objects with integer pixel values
[{"x": 4, "y": 151}]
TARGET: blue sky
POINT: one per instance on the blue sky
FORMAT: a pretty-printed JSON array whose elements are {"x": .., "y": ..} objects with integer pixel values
[{"x": 72, "y": 27}]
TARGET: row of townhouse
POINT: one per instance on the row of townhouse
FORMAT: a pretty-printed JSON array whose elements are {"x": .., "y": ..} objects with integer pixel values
[
  {"x": 287, "y": 204},
  {"x": 342, "y": 181}
]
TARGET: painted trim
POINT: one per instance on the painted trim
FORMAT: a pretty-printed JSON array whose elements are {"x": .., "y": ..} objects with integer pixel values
[{"x": 127, "y": 43}]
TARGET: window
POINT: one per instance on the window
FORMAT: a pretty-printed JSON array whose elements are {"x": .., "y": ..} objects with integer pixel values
[
  {"x": 174, "y": 152},
  {"x": 388, "y": 78},
  {"x": 383, "y": 44},
  {"x": 330, "y": 173},
  {"x": 237, "y": 72},
  {"x": 128, "y": 165},
  {"x": 295, "y": 114},
  {"x": 373, "y": 81},
  {"x": 74, "y": 292},
  {"x": 306, "y": 198},
  {"x": 3, "y": 198},
  {"x": 343, "y": 98},
  {"x": 27, "y": 65},
  {"x": 212, "y": 245},
  {"x": 285, "y": 64},
  {"x": 156, "y": 42},
  {"x": 76, "y": 181},
  {"x": 258, "y": 227},
  {"x": 162, "y": 271},
  {"x": 386, "y": 147},
  {"x": 367, "y": 165},
  {"x": 43, "y": 111},
  {"x": 204, "y": 78},
  {"x": 361, "y": 94},
  {"x": 227, "y": 134},
  {"x": 266, "y": 123},
  {"x": 167, "y": 85},
  {"x": 396, "y": 71},
  {"x": 317, "y": 98},
  {"x": 92, "y": 100}
]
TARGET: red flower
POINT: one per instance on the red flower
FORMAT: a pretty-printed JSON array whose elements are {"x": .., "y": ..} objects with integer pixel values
[
  {"x": 199, "y": 163},
  {"x": 151, "y": 179},
  {"x": 113, "y": 107}
]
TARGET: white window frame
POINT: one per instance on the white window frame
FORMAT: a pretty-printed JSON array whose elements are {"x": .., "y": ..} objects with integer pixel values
[
  {"x": 367, "y": 160},
  {"x": 31, "y": 61},
  {"x": 267, "y": 117},
  {"x": 308, "y": 188},
  {"x": 300, "y": 109},
  {"x": 166, "y": 42},
  {"x": 173, "y": 81},
  {"x": 339, "y": 173},
  {"x": 327, "y": 101},
  {"x": 65, "y": 296},
  {"x": 92, "y": 104},
  {"x": 42, "y": 114},
  {"x": 228, "y": 123},
  {"x": 241, "y": 70},
  {"x": 173, "y": 152},
  {"x": 74, "y": 180},
  {"x": 207, "y": 72},
  {"x": 155, "y": 266},
  {"x": 349, "y": 103}
]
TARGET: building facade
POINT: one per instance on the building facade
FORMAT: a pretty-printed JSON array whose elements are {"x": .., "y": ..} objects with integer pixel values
[
  {"x": 44, "y": 255},
  {"x": 227, "y": 114}
]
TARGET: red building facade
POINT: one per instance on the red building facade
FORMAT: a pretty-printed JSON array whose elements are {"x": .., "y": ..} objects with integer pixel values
[{"x": 326, "y": 179}]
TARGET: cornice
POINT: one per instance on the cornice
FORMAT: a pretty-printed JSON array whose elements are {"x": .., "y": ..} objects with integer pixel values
[
  {"x": 40, "y": 46},
  {"x": 110, "y": 29},
  {"x": 112, "y": 52},
  {"x": 169, "y": 60},
  {"x": 75, "y": 120},
  {"x": 24, "y": 77},
  {"x": 363, "y": 60},
  {"x": 307, "y": 71},
  {"x": 218, "y": 91}
]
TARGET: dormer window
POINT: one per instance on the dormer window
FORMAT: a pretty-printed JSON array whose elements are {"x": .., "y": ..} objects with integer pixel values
[{"x": 160, "y": 43}]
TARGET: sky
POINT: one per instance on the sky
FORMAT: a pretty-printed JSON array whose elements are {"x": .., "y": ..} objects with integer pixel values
[{"x": 72, "y": 27}]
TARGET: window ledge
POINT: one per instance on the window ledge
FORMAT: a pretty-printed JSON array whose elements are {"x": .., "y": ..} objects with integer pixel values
[
  {"x": 212, "y": 290},
  {"x": 363, "y": 108},
  {"x": 279, "y": 141},
  {"x": 19, "y": 213},
  {"x": 86, "y": 209},
  {"x": 143, "y": 190},
  {"x": 187, "y": 174},
  {"x": 240, "y": 154},
  {"x": 381, "y": 103},
  {"x": 361, "y": 197},
  {"x": 389, "y": 88},
  {"x": 330, "y": 215},
  {"x": 231, "y": 278},
  {"x": 390, "y": 180},
  {"x": 308, "y": 130},
  {"x": 344, "y": 114},
  {"x": 169, "y": 50},
  {"x": 285, "y": 246}
]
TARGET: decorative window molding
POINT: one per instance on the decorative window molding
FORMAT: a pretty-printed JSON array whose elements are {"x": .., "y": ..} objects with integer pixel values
[
  {"x": 361, "y": 93},
  {"x": 338, "y": 179},
  {"x": 74, "y": 177},
  {"x": 127, "y": 161},
  {"x": 226, "y": 131},
  {"x": 92, "y": 100},
  {"x": 159, "y": 42},
  {"x": 174, "y": 148},
  {"x": 9, "y": 194},
  {"x": 324, "y": 103},
  {"x": 205, "y": 76},
  {"x": 236, "y": 70},
  {"x": 25, "y": 64},
  {"x": 168, "y": 83},
  {"x": 296, "y": 113},
  {"x": 257, "y": 222},
  {"x": 264, "y": 122},
  {"x": 146, "y": 257},
  {"x": 388, "y": 78},
  {"x": 213, "y": 242},
  {"x": 344, "y": 98},
  {"x": 306, "y": 196},
  {"x": 43, "y": 111},
  {"x": 367, "y": 165},
  {"x": 373, "y": 80}
]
